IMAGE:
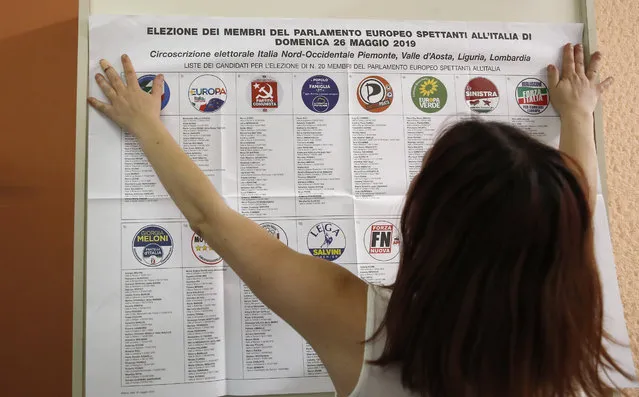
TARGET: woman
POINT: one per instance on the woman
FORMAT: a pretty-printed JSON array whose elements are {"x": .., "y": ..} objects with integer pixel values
[{"x": 497, "y": 292}]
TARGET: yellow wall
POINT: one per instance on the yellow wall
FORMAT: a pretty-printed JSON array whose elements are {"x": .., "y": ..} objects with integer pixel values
[{"x": 618, "y": 34}]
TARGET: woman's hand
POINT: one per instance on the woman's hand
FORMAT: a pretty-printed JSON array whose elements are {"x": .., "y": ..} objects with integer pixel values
[
  {"x": 130, "y": 107},
  {"x": 576, "y": 92}
]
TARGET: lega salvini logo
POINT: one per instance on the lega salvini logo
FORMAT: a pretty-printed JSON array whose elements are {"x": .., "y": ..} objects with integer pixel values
[
  {"x": 152, "y": 245},
  {"x": 326, "y": 240}
]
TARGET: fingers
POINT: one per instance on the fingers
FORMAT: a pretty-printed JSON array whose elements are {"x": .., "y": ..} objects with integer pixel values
[
  {"x": 595, "y": 64},
  {"x": 553, "y": 75},
  {"x": 580, "y": 67},
  {"x": 106, "y": 87},
  {"x": 604, "y": 85},
  {"x": 158, "y": 86},
  {"x": 99, "y": 106},
  {"x": 568, "y": 68},
  {"x": 129, "y": 72},
  {"x": 112, "y": 75}
]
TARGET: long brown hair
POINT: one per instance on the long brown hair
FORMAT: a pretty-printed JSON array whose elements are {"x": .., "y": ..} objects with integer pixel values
[{"x": 498, "y": 293}]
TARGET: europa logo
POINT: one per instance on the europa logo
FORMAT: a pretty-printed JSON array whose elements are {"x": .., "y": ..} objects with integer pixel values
[
  {"x": 207, "y": 93},
  {"x": 152, "y": 245}
]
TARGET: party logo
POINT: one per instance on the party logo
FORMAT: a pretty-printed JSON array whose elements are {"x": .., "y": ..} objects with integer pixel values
[
  {"x": 146, "y": 84},
  {"x": 207, "y": 93},
  {"x": 326, "y": 240},
  {"x": 532, "y": 96},
  {"x": 429, "y": 94},
  {"x": 382, "y": 241},
  {"x": 264, "y": 94},
  {"x": 152, "y": 245},
  {"x": 203, "y": 252},
  {"x": 320, "y": 94},
  {"x": 482, "y": 95},
  {"x": 375, "y": 94},
  {"x": 276, "y": 231}
]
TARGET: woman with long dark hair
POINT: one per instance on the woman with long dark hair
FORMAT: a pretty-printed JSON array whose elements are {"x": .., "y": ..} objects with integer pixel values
[{"x": 497, "y": 293}]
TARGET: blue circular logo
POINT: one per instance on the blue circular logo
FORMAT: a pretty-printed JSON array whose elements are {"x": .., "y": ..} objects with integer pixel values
[
  {"x": 326, "y": 240},
  {"x": 152, "y": 245},
  {"x": 146, "y": 83},
  {"x": 320, "y": 94}
]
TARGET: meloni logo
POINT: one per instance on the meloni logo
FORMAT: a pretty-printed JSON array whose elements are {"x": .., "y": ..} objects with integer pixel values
[{"x": 152, "y": 245}]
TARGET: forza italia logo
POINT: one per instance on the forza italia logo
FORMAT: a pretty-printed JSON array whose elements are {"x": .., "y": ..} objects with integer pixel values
[{"x": 532, "y": 96}]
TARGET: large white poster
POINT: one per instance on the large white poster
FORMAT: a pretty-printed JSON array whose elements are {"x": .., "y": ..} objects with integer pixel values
[{"x": 312, "y": 128}]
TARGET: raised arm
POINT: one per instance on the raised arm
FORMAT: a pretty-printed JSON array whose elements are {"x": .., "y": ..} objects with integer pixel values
[
  {"x": 324, "y": 302},
  {"x": 574, "y": 93}
]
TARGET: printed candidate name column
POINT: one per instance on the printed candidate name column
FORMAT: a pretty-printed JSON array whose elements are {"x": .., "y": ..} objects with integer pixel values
[
  {"x": 370, "y": 150},
  {"x": 203, "y": 285},
  {"x": 323, "y": 146},
  {"x": 429, "y": 102},
  {"x": 144, "y": 196},
  {"x": 266, "y": 146},
  {"x": 204, "y": 325},
  {"x": 207, "y": 118},
  {"x": 271, "y": 346},
  {"x": 152, "y": 336},
  {"x": 266, "y": 175},
  {"x": 378, "y": 153}
]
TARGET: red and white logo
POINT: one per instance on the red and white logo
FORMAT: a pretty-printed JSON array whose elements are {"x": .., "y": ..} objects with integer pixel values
[
  {"x": 203, "y": 252},
  {"x": 382, "y": 241},
  {"x": 264, "y": 94},
  {"x": 482, "y": 95}
]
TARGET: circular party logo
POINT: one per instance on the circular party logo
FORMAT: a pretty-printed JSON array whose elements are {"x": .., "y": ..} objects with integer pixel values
[
  {"x": 320, "y": 94},
  {"x": 276, "y": 231},
  {"x": 203, "y": 252},
  {"x": 429, "y": 94},
  {"x": 152, "y": 245},
  {"x": 207, "y": 93},
  {"x": 482, "y": 95},
  {"x": 326, "y": 240},
  {"x": 146, "y": 84},
  {"x": 375, "y": 94},
  {"x": 382, "y": 241},
  {"x": 532, "y": 96}
]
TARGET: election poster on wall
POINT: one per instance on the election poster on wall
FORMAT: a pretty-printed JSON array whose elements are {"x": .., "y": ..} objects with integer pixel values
[{"x": 311, "y": 128}]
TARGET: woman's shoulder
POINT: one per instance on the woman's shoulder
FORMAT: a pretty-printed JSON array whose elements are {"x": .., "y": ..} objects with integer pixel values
[
  {"x": 377, "y": 381},
  {"x": 377, "y": 303}
]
